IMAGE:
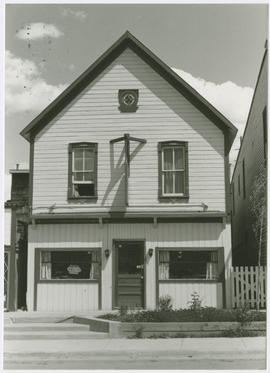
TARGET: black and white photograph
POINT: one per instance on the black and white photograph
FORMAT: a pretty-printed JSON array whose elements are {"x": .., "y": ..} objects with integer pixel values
[{"x": 135, "y": 158}]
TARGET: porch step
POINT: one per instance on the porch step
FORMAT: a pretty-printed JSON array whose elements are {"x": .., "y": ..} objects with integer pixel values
[
  {"x": 27, "y": 327},
  {"x": 50, "y": 331},
  {"x": 50, "y": 335}
]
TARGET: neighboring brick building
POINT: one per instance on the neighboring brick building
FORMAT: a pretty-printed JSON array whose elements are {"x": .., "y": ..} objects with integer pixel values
[{"x": 251, "y": 160}]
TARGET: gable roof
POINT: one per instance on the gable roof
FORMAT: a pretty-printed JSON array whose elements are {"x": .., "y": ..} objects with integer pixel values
[{"x": 127, "y": 40}]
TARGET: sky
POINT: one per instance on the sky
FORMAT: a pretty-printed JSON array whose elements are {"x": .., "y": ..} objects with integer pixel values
[{"x": 216, "y": 48}]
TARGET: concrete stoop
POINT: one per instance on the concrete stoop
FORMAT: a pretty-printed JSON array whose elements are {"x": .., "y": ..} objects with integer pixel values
[{"x": 48, "y": 330}]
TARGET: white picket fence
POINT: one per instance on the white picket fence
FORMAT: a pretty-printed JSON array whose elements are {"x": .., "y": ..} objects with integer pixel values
[{"x": 244, "y": 284}]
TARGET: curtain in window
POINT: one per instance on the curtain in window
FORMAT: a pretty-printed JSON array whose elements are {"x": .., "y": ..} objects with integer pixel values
[
  {"x": 212, "y": 267},
  {"x": 46, "y": 266},
  {"x": 95, "y": 266},
  {"x": 164, "y": 265}
]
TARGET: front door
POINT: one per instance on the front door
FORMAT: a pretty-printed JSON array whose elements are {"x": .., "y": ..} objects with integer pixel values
[{"x": 129, "y": 273}]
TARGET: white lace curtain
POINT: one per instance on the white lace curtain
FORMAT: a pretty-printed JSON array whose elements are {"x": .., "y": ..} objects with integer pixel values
[
  {"x": 164, "y": 265},
  {"x": 212, "y": 267}
]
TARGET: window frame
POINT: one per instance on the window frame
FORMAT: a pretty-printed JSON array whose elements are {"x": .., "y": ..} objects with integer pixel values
[
  {"x": 71, "y": 280},
  {"x": 172, "y": 196},
  {"x": 220, "y": 266},
  {"x": 90, "y": 145}
]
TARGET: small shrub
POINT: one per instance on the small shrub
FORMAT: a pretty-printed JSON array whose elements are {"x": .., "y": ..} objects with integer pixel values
[
  {"x": 123, "y": 311},
  {"x": 139, "y": 332},
  {"x": 165, "y": 303},
  {"x": 237, "y": 333},
  {"x": 196, "y": 302},
  {"x": 243, "y": 315}
]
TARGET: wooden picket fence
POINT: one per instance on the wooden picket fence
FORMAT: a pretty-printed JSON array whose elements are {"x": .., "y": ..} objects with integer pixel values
[{"x": 244, "y": 285}]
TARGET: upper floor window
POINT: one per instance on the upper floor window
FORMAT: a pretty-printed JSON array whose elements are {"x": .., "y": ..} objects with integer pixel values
[
  {"x": 173, "y": 166},
  {"x": 82, "y": 170}
]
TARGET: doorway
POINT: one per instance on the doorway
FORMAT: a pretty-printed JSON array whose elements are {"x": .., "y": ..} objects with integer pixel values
[{"x": 129, "y": 273}]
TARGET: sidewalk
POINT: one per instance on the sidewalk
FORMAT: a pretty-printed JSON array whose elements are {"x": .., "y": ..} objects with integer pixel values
[{"x": 94, "y": 346}]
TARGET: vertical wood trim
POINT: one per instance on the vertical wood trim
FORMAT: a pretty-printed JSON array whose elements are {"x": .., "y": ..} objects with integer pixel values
[
  {"x": 36, "y": 275},
  {"x": 96, "y": 169},
  {"x": 100, "y": 279},
  {"x": 157, "y": 276},
  {"x": 186, "y": 173},
  {"x": 159, "y": 171},
  {"x": 144, "y": 274},
  {"x": 31, "y": 174},
  {"x": 113, "y": 274},
  {"x": 221, "y": 258},
  {"x": 69, "y": 171}
]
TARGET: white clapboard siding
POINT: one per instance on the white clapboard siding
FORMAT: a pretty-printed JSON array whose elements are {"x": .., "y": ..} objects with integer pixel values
[
  {"x": 209, "y": 293},
  {"x": 67, "y": 297},
  {"x": 248, "y": 286},
  {"x": 163, "y": 114},
  {"x": 93, "y": 236}
]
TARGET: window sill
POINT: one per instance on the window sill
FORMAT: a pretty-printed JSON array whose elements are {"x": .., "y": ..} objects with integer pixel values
[
  {"x": 83, "y": 199},
  {"x": 173, "y": 199},
  {"x": 72, "y": 280},
  {"x": 192, "y": 280}
]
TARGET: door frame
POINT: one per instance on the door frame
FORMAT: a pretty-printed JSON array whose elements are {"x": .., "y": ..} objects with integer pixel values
[{"x": 115, "y": 268}]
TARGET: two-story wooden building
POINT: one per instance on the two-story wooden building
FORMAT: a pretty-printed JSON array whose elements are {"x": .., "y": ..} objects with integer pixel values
[
  {"x": 129, "y": 190},
  {"x": 251, "y": 163}
]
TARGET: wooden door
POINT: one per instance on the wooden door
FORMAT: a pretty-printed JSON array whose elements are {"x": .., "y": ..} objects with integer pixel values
[{"x": 130, "y": 273}]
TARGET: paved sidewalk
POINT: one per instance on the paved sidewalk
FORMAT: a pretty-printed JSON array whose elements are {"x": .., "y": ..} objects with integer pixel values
[{"x": 202, "y": 345}]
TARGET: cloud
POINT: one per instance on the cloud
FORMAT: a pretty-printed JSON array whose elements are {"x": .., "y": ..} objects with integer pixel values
[
  {"x": 39, "y": 30},
  {"x": 231, "y": 100},
  {"x": 79, "y": 14},
  {"x": 25, "y": 88}
]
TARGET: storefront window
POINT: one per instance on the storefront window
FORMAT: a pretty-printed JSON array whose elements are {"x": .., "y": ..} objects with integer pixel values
[
  {"x": 66, "y": 265},
  {"x": 187, "y": 264}
]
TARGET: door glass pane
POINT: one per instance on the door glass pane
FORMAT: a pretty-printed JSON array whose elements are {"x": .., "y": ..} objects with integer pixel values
[
  {"x": 168, "y": 159},
  {"x": 168, "y": 182},
  {"x": 179, "y": 158},
  {"x": 130, "y": 259},
  {"x": 179, "y": 182}
]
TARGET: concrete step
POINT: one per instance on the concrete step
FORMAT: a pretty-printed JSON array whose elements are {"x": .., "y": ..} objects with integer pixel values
[
  {"x": 26, "y": 327},
  {"x": 54, "y": 334},
  {"x": 39, "y": 319}
]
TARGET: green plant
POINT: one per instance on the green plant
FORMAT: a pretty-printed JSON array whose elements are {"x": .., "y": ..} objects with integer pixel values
[
  {"x": 165, "y": 303},
  {"x": 196, "y": 302}
]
